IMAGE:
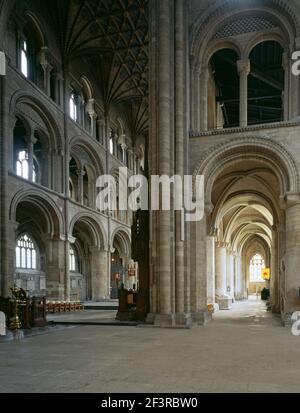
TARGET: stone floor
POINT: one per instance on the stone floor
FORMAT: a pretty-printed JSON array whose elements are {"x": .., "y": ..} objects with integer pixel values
[
  {"x": 243, "y": 350},
  {"x": 88, "y": 316}
]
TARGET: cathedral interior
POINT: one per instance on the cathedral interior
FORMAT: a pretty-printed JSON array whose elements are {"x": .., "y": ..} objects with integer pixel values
[{"x": 162, "y": 88}]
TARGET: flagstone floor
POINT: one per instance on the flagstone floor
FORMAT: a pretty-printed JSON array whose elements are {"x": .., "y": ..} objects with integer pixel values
[{"x": 242, "y": 350}]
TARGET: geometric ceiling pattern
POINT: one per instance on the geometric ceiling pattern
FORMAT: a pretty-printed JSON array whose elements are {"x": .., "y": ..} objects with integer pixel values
[
  {"x": 113, "y": 34},
  {"x": 245, "y": 24}
]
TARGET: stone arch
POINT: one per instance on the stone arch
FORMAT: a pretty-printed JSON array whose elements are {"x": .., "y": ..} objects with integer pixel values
[
  {"x": 96, "y": 229},
  {"x": 123, "y": 237},
  {"x": 251, "y": 248},
  {"x": 221, "y": 44},
  {"x": 52, "y": 214},
  {"x": 87, "y": 87},
  {"x": 253, "y": 245},
  {"x": 244, "y": 197},
  {"x": 267, "y": 151},
  {"x": 210, "y": 22},
  {"x": 34, "y": 22},
  {"x": 92, "y": 150},
  {"x": 38, "y": 114},
  {"x": 259, "y": 38}
]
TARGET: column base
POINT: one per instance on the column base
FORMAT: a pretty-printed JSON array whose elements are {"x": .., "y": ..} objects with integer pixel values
[
  {"x": 180, "y": 320},
  {"x": 225, "y": 303},
  {"x": 183, "y": 319},
  {"x": 150, "y": 318},
  {"x": 275, "y": 309},
  {"x": 164, "y": 320},
  {"x": 202, "y": 317}
]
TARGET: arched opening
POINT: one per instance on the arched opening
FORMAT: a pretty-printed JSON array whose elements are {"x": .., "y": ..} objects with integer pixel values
[
  {"x": 80, "y": 271},
  {"x": 38, "y": 253},
  {"x": 25, "y": 164},
  {"x": 120, "y": 262},
  {"x": 73, "y": 180},
  {"x": 73, "y": 107},
  {"x": 30, "y": 42},
  {"x": 84, "y": 168},
  {"x": 246, "y": 183},
  {"x": 257, "y": 265},
  {"x": 88, "y": 263},
  {"x": 118, "y": 274},
  {"x": 26, "y": 253},
  {"x": 30, "y": 265},
  {"x": 266, "y": 84},
  {"x": 223, "y": 90}
]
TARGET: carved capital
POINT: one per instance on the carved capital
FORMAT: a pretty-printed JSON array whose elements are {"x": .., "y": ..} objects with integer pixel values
[{"x": 243, "y": 67}]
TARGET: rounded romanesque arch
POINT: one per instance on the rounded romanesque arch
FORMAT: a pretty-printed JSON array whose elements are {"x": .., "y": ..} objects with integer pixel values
[
  {"x": 122, "y": 238},
  {"x": 211, "y": 23},
  {"x": 259, "y": 38},
  {"x": 55, "y": 224},
  {"x": 220, "y": 44},
  {"x": 91, "y": 150},
  {"x": 97, "y": 232},
  {"x": 264, "y": 150},
  {"x": 27, "y": 106}
]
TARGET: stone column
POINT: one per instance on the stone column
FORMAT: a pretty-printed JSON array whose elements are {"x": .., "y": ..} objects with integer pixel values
[
  {"x": 285, "y": 97},
  {"x": 90, "y": 107},
  {"x": 237, "y": 291},
  {"x": 221, "y": 270},
  {"x": 210, "y": 261},
  {"x": 43, "y": 60},
  {"x": 241, "y": 279},
  {"x": 124, "y": 147},
  {"x": 182, "y": 317},
  {"x": 130, "y": 159},
  {"x": 230, "y": 273},
  {"x": 4, "y": 158},
  {"x": 57, "y": 276},
  {"x": 243, "y": 67},
  {"x": 161, "y": 103},
  {"x": 80, "y": 174},
  {"x": 101, "y": 131},
  {"x": 56, "y": 171},
  {"x": 31, "y": 143},
  {"x": 198, "y": 272},
  {"x": 66, "y": 176},
  {"x": 274, "y": 283},
  {"x": 294, "y": 87},
  {"x": 292, "y": 259},
  {"x": 204, "y": 77},
  {"x": 99, "y": 280},
  {"x": 59, "y": 89}
]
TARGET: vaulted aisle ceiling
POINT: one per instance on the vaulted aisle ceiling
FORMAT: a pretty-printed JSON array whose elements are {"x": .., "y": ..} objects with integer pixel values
[{"x": 112, "y": 36}]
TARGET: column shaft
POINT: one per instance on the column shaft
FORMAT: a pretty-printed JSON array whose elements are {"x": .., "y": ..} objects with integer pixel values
[
  {"x": 243, "y": 70},
  {"x": 292, "y": 260},
  {"x": 221, "y": 270},
  {"x": 179, "y": 146},
  {"x": 164, "y": 155},
  {"x": 204, "y": 76},
  {"x": 285, "y": 64},
  {"x": 5, "y": 277}
]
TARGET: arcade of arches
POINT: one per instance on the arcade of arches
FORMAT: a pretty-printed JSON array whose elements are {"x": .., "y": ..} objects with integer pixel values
[{"x": 162, "y": 87}]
